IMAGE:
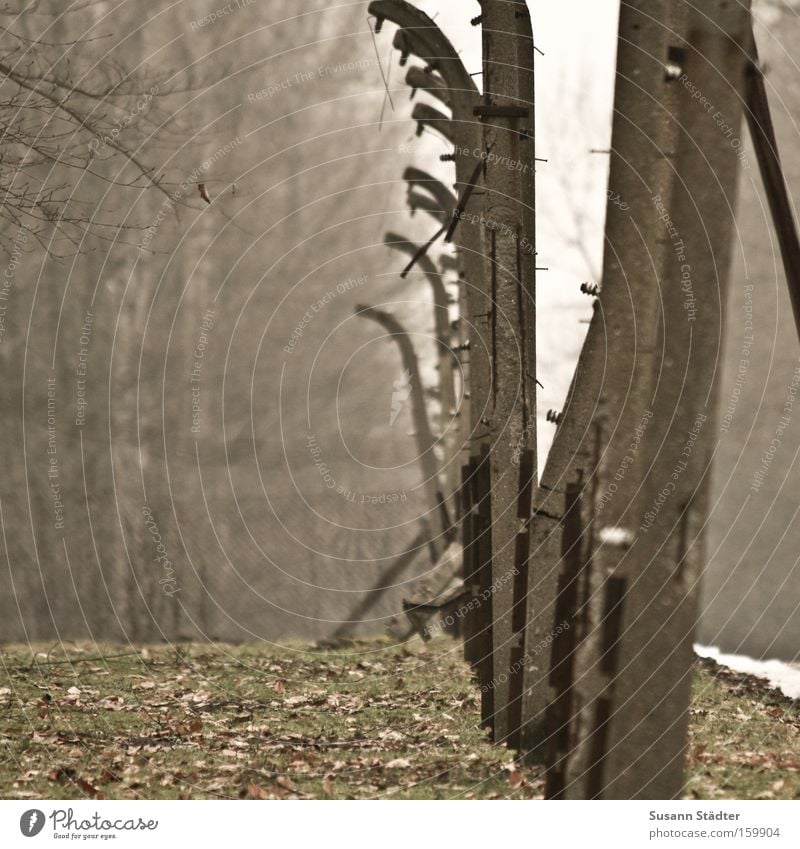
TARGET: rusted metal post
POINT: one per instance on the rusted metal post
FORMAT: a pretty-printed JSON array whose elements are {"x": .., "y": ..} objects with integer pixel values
[
  {"x": 570, "y": 600},
  {"x": 506, "y": 111},
  {"x": 762, "y": 133},
  {"x": 483, "y": 593}
]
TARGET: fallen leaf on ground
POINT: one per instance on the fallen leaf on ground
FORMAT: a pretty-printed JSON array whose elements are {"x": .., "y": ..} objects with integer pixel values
[
  {"x": 515, "y": 779},
  {"x": 256, "y": 792}
]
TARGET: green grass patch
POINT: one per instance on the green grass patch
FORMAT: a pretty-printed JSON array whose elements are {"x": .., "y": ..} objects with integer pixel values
[{"x": 370, "y": 721}]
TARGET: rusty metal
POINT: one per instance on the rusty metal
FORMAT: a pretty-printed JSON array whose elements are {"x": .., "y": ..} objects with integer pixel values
[
  {"x": 510, "y": 246},
  {"x": 486, "y": 601},
  {"x": 527, "y": 480},
  {"x": 491, "y": 110},
  {"x": 463, "y": 201},
  {"x": 762, "y": 133},
  {"x": 470, "y": 571},
  {"x": 570, "y": 600}
]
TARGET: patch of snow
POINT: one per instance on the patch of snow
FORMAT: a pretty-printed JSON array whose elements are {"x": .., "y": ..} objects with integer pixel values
[
  {"x": 784, "y": 676},
  {"x": 615, "y": 535}
]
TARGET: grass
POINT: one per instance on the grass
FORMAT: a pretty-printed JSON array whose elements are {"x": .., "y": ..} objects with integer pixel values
[{"x": 371, "y": 721}]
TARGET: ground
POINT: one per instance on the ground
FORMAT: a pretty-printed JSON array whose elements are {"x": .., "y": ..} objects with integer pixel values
[{"x": 367, "y": 721}]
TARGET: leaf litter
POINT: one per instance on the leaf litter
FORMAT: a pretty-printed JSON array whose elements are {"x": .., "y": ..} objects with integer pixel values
[{"x": 267, "y": 722}]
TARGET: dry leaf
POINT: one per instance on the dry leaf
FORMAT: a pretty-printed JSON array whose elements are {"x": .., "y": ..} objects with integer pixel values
[
  {"x": 327, "y": 785},
  {"x": 399, "y": 763},
  {"x": 256, "y": 792},
  {"x": 515, "y": 779},
  {"x": 90, "y": 789},
  {"x": 279, "y": 687}
]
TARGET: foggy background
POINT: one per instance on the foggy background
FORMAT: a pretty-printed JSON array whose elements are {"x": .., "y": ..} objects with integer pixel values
[{"x": 227, "y": 464}]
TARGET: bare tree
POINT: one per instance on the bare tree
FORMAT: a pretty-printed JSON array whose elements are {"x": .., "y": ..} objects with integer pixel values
[{"x": 67, "y": 113}]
